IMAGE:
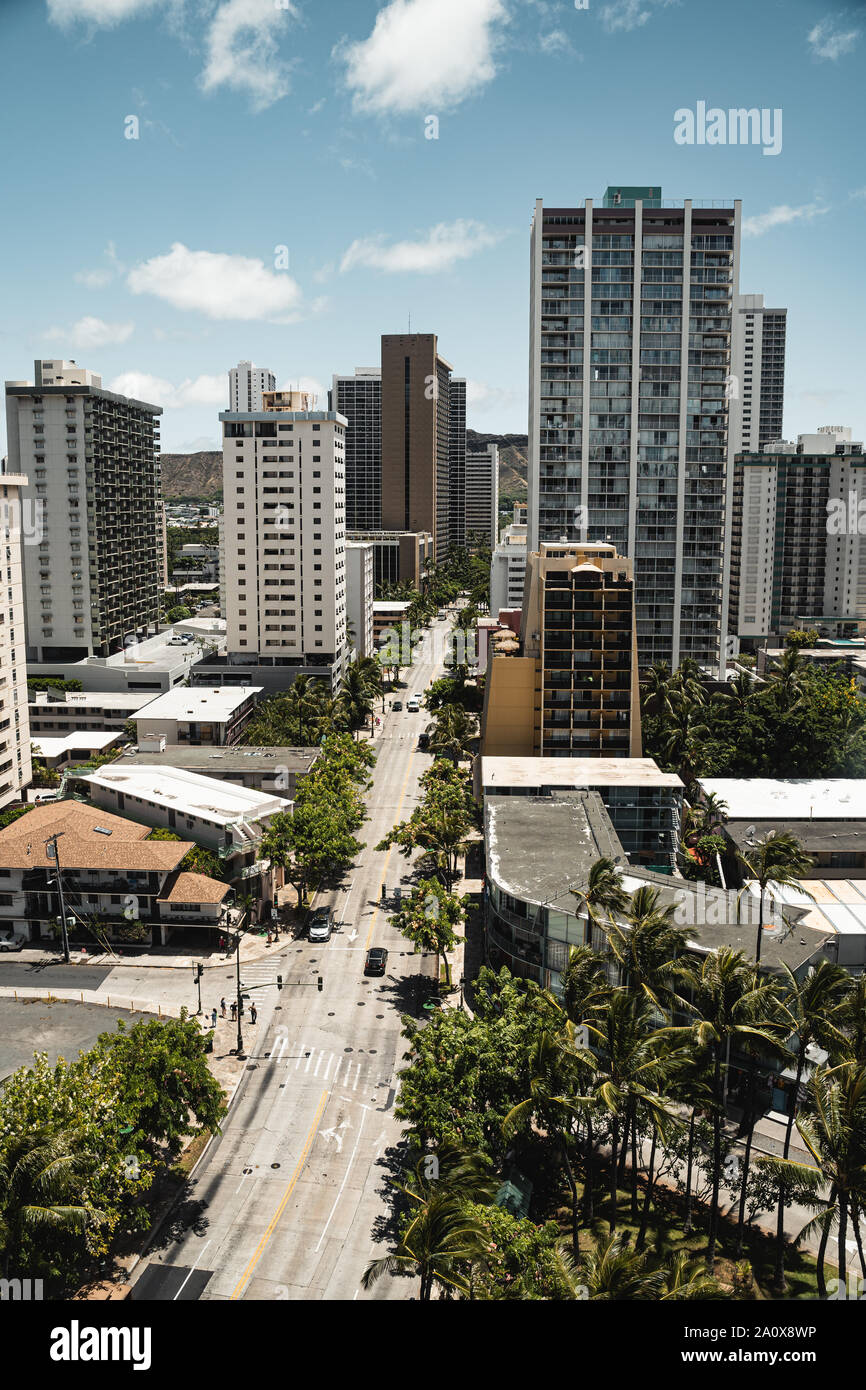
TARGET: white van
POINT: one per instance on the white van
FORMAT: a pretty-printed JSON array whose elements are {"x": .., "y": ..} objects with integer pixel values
[{"x": 412, "y": 706}]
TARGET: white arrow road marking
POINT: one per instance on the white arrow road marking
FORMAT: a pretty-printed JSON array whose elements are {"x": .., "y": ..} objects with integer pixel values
[
  {"x": 337, "y": 1136},
  {"x": 345, "y": 1179}
]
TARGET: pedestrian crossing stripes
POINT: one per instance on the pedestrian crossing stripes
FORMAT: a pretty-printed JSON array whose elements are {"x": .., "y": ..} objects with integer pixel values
[
  {"x": 264, "y": 974},
  {"x": 341, "y": 1073}
]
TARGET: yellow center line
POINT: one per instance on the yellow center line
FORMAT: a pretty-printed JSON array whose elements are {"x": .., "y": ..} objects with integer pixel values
[
  {"x": 388, "y": 856},
  {"x": 286, "y": 1195}
]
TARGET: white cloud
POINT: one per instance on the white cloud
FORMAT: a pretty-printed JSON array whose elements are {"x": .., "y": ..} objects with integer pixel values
[
  {"x": 440, "y": 249},
  {"x": 829, "y": 40},
  {"x": 203, "y": 390},
  {"x": 98, "y": 279},
  {"x": 216, "y": 284},
  {"x": 780, "y": 216},
  {"x": 557, "y": 41},
  {"x": 482, "y": 399},
  {"x": 629, "y": 14},
  {"x": 104, "y": 12},
  {"x": 92, "y": 333},
  {"x": 424, "y": 54},
  {"x": 242, "y": 50},
  {"x": 858, "y": 192}
]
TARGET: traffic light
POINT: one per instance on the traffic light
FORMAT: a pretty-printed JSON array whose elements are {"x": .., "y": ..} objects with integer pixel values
[
  {"x": 279, "y": 982},
  {"x": 320, "y": 984},
  {"x": 199, "y": 971}
]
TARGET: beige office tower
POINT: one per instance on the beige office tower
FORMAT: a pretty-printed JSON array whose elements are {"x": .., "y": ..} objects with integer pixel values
[
  {"x": 19, "y": 525},
  {"x": 417, "y": 439},
  {"x": 573, "y": 689},
  {"x": 284, "y": 536}
]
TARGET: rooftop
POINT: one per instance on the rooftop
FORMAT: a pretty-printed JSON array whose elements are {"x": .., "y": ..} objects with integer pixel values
[
  {"x": 574, "y": 830},
  {"x": 50, "y": 747},
  {"x": 790, "y": 798},
  {"x": 194, "y": 888},
  {"x": 816, "y": 836},
  {"x": 206, "y": 798},
  {"x": 83, "y": 843},
  {"x": 227, "y": 760},
  {"x": 89, "y": 699},
  {"x": 574, "y": 772},
  {"x": 217, "y": 703}
]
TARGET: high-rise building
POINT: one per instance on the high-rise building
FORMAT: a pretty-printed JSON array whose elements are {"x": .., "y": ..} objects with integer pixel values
[
  {"x": 15, "y": 763},
  {"x": 759, "y": 371},
  {"x": 92, "y": 584},
  {"x": 359, "y": 596},
  {"x": 573, "y": 689},
  {"x": 632, "y": 425},
  {"x": 359, "y": 398},
  {"x": 481, "y": 510},
  {"x": 284, "y": 536},
  {"x": 457, "y": 463},
  {"x": 508, "y": 565},
  {"x": 798, "y": 556},
  {"x": 420, "y": 445},
  {"x": 247, "y": 384}
]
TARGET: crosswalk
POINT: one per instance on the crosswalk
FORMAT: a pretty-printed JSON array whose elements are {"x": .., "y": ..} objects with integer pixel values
[
  {"x": 341, "y": 1073},
  {"x": 264, "y": 973}
]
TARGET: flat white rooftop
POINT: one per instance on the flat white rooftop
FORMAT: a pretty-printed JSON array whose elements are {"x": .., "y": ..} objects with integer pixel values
[
  {"x": 839, "y": 903},
  {"x": 216, "y": 703},
  {"x": 498, "y": 773},
  {"x": 91, "y": 699},
  {"x": 790, "y": 798},
  {"x": 189, "y": 793},
  {"x": 83, "y": 738}
]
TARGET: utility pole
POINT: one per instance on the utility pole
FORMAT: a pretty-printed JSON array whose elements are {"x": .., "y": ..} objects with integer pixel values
[{"x": 52, "y": 852}]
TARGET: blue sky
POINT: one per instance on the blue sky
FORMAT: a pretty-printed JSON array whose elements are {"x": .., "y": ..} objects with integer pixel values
[{"x": 267, "y": 124}]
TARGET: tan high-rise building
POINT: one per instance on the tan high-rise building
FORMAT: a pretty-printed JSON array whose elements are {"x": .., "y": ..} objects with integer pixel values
[
  {"x": 573, "y": 690},
  {"x": 417, "y": 442}
]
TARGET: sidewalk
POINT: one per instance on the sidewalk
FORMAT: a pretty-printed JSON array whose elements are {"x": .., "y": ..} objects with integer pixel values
[{"x": 252, "y": 948}]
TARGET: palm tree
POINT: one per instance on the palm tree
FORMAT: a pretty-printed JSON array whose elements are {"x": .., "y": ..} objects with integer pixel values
[
  {"x": 355, "y": 699},
  {"x": 815, "y": 1008},
  {"x": 551, "y": 1106},
  {"x": 586, "y": 990},
  {"x": 630, "y": 1068},
  {"x": 852, "y": 1018},
  {"x": 737, "y": 692},
  {"x": 685, "y": 731},
  {"x": 834, "y": 1132},
  {"x": 787, "y": 677},
  {"x": 444, "y": 1235},
  {"x": 656, "y": 688},
  {"x": 778, "y": 859},
  {"x": 729, "y": 1004},
  {"x": 647, "y": 952},
  {"x": 603, "y": 894},
  {"x": 613, "y": 1272},
  {"x": 454, "y": 734},
  {"x": 43, "y": 1192}
]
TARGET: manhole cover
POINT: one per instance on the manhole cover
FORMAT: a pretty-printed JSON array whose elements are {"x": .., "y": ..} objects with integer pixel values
[
  {"x": 373, "y": 1051},
  {"x": 275, "y": 1165},
  {"x": 362, "y": 1003},
  {"x": 348, "y": 1049},
  {"x": 254, "y": 1066},
  {"x": 380, "y": 1015},
  {"x": 331, "y": 1014}
]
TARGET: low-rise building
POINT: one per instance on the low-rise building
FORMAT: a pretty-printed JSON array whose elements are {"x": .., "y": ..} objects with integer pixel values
[
  {"x": 199, "y": 716},
  {"x": 82, "y": 711},
  {"x": 827, "y": 816},
  {"x": 58, "y": 753},
  {"x": 276, "y": 770},
  {"x": 508, "y": 565},
  {"x": 218, "y": 815},
  {"x": 118, "y": 885},
  {"x": 645, "y": 805}
]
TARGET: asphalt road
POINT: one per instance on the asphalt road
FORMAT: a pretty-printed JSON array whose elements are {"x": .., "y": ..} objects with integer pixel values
[{"x": 291, "y": 1200}]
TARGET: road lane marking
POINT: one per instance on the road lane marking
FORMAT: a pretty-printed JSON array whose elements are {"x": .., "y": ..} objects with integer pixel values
[
  {"x": 300, "y": 1057},
  {"x": 308, "y": 1142},
  {"x": 390, "y": 850},
  {"x": 336, "y": 1070},
  {"x": 319, "y": 1063},
  {"x": 342, "y": 1185},
  {"x": 191, "y": 1272}
]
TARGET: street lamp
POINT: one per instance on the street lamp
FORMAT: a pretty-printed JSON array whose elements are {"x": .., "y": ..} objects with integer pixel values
[{"x": 241, "y": 1055}]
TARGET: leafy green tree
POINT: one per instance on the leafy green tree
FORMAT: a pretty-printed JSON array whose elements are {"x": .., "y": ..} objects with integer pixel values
[
  {"x": 44, "y": 1207},
  {"x": 162, "y": 1081},
  {"x": 178, "y": 614},
  {"x": 429, "y": 918},
  {"x": 520, "y": 1260}
]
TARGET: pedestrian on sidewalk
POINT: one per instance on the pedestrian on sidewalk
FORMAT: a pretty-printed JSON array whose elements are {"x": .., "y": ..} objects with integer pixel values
[
  {"x": 254, "y": 1013},
  {"x": 222, "y": 943},
  {"x": 223, "y": 1007},
  {"x": 213, "y": 1017},
  {"x": 234, "y": 1010}
]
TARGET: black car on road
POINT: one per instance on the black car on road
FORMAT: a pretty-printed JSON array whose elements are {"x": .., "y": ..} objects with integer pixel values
[{"x": 376, "y": 961}]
